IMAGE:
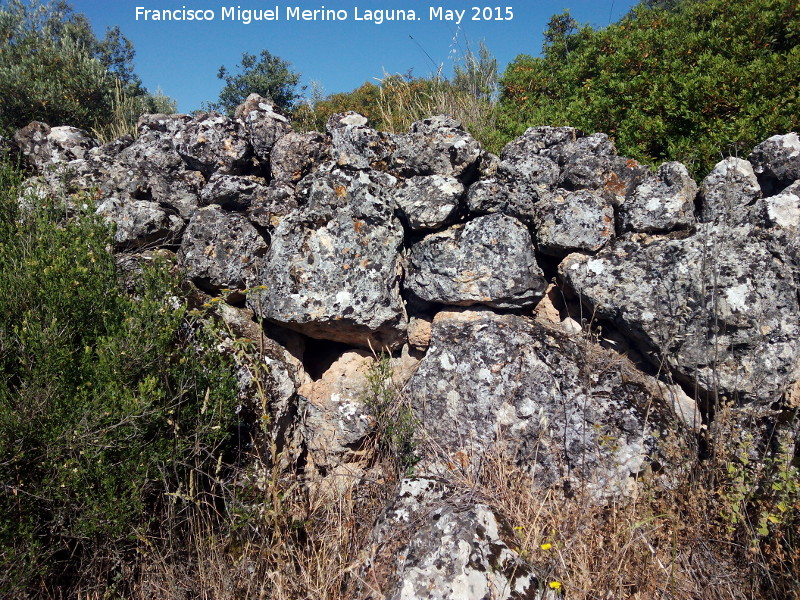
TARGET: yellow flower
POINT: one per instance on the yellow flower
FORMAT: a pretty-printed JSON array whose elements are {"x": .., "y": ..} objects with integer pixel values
[
  {"x": 546, "y": 546},
  {"x": 555, "y": 585}
]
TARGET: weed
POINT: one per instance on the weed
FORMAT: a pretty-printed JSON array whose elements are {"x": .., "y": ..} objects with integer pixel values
[{"x": 395, "y": 423}]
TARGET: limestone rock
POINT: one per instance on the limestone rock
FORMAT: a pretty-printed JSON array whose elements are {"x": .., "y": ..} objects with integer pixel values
[
  {"x": 222, "y": 250},
  {"x": 776, "y": 162},
  {"x": 336, "y": 420},
  {"x": 43, "y": 146},
  {"x": 211, "y": 143},
  {"x": 430, "y": 543},
  {"x": 663, "y": 202},
  {"x": 502, "y": 194},
  {"x": 544, "y": 141},
  {"x": 419, "y": 333},
  {"x": 730, "y": 192},
  {"x": 295, "y": 154},
  {"x": 719, "y": 308},
  {"x": 332, "y": 270},
  {"x": 436, "y": 146},
  {"x": 151, "y": 169},
  {"x": 355, "y": 144},
  {"x": 568, "y": 221},
  {"x": 510, "y": 385},
  {"x": 140, "y": 224},
  {"x": 233, "y": 192},
  {"x": 489, "y": 260},
  {"x": 268, "y": 208},
  {"x": 263, "y": 123},
  {"x": 429, "y": 202},
  {"x": 783, "y": 210}
]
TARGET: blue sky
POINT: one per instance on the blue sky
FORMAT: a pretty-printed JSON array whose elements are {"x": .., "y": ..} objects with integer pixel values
[{"x": 182, "y": 58}]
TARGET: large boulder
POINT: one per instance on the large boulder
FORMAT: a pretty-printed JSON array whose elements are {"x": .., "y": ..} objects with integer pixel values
[
  {"x": 489, "y": 260},
  {"x": 213, "y": 143},
  {"x": 719, "y": 308},
  {"x": 569, "y": 221},
  {"x": 729, "y": 194},
  {"x": 357, "y": 145},
  {"x": 569, "y": 413},
  {"x": 140, "y": 224},
  {"x": 333, "y": 269},
  {"x": 336, "y": 420},
  {"x": 295, "y": 155},
  {"x": 429, "y": 202},
  {"x": 234, "y": 192},
  {"x": 151, "y": 169}
]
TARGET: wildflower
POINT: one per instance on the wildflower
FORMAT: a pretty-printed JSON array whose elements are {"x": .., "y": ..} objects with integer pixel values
[
  {"x": 546, "y": 546},
  {"x": 555, "y": 585}
]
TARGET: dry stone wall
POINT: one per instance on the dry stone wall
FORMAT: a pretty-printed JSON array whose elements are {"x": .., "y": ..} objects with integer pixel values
[{"x": 670, "y": 295}]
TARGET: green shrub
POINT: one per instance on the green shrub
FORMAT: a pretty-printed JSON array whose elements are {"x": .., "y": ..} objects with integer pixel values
[
  {"x": 112, "y": 403},
  {"x": 689, "y": 80}
]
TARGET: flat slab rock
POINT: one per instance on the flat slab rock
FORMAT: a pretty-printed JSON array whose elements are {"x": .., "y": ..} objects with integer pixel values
[
  {"x": 719, "y": 308},
  {"x": 332, "y": 271},
  {"x": 571, "y": 414},
  {"x": 430, "y": 543},
  {"x": 489, "y": 260}
]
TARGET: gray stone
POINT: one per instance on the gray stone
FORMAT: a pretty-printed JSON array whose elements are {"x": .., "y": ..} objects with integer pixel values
[
  {"x": 489, "y": 260},
  {"x": 730, "y": 192},
  {"x": 44, "y": 146},
  {"x": 436, "y": 146},
  {"x": 234, "y": 192},
  {"x": 663, "y": 202},
  {"x": 429, "y": 202},
  {"x": 624, "y": 177},
  {"x": 151, "y": 169},
  {"x": 553, "y": 403},
  {"x": 269, "y": 208},
  {"x": 432, "y": 543},
  {"x": 296, "y": 154},
  {"x": 505, "y": 196},
  {"x": 542, "y": 141},
  {"x": 355, "y": 144},
  {"x": 783, "y": 210},
  {"x": 140, "y": 224},
  {"x": 263, "y": 123},
  {"x": 213, "y": 143},
  {"x": 718, "y": 308},
  {"x": 332, "y": 270},
  {"x": 776, "y": 162},
  {"x": 222, "y": 250},
  {"x": 569, "y": 221}
]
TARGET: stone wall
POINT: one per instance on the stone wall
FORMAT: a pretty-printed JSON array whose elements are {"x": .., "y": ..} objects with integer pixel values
[{"x": 538, "y": 303}]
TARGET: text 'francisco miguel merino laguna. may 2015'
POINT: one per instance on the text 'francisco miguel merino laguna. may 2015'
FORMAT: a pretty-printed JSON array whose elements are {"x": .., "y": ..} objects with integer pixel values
[{"x": 247, "y": 16}]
